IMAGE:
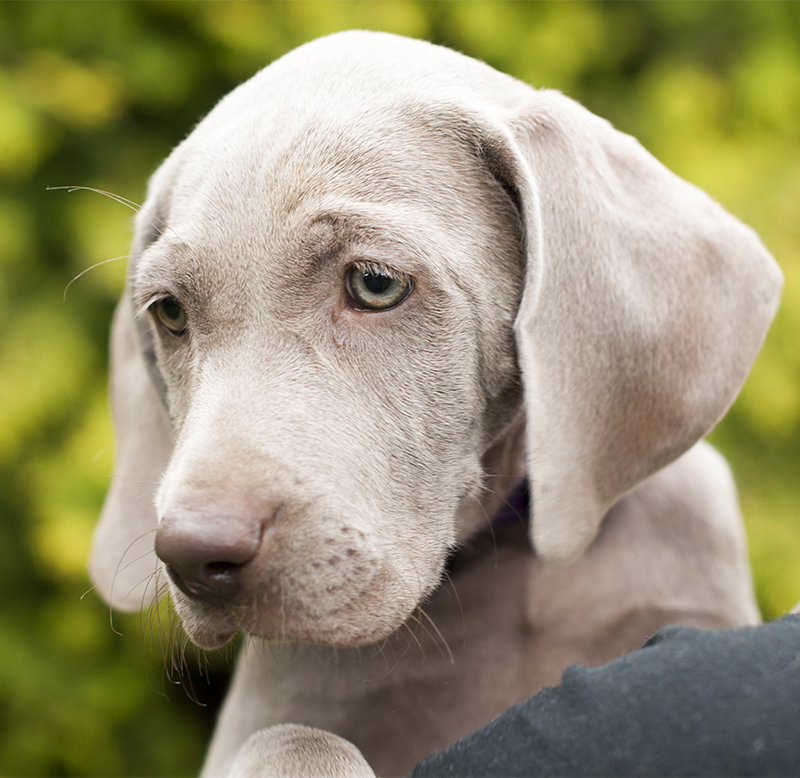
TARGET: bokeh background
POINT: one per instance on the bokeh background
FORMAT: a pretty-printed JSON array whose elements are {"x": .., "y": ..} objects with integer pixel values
[{"x": 96, "y": 94}]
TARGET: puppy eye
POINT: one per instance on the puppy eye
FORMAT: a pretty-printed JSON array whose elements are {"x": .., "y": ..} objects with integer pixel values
[
  {"x": 374, "y": 289},
  {"x": 171, "y": 314}
]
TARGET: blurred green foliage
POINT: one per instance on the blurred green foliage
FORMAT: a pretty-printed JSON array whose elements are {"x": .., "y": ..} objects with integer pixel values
[{"x": 96, "y": 94}]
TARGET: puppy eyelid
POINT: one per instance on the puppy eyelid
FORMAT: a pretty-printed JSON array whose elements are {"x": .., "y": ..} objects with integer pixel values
[
  {"x": 168, "y": 313},
  {"x": 372, "y": 288}
]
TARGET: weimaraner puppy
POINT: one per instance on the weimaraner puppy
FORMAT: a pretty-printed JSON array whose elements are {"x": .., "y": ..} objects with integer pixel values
[{"x": 376, "y": 288}]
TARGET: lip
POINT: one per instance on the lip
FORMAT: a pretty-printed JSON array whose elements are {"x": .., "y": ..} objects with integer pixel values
[
  {"x": 217, "y": 641},
  {"x": 212, "y": 626},
  {"x": 210, "y": 636},
  {"x": 208, "y": 626}
]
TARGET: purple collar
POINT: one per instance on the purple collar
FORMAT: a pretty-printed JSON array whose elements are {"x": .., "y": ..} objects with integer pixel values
[
  {"x": 514, "y": 511},
  {"x": 508, "y": 525}
]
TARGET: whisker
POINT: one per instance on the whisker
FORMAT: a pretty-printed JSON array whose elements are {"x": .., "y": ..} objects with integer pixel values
[
  {"x": 91, "y": 267},
  {"x": 439, "y": 633},
  {"x": 520, "y": 518},
  {"x": 120, "y": 568},
  {"x": 146, "y": 581},
  {"x": 488, "y": 520},
  {"x": 111, "y": 621},
  {"x": 146, "y": 619},
  {"x": 141, "y": 556},
  {"x": 409, "y": 645},
  {"x": 414, "y": 634},
  {"x": 453, "y": 588},
  {"x": 132, "y": 204}
]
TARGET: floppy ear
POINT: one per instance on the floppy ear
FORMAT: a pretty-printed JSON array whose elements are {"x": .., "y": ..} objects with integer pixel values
[
  {"x": 123, "y": 557},
  {"x": 643, "y": 308}
]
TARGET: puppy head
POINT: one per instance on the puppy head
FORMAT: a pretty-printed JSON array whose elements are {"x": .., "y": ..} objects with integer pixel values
[{"x": 341, "y": 281}]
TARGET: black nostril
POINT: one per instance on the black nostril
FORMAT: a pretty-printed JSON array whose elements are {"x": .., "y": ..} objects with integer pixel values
[
  {"x": 221, "y": 569},
  {"x": 212, "y": 581},
  {"x": 223, "y": 578}
]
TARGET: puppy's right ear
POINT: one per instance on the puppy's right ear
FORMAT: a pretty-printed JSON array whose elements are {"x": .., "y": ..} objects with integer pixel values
[{"x": 123, "y": 560}]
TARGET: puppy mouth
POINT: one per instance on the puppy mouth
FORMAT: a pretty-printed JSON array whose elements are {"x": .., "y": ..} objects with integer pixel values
[
  {"x": 339, "y": 591},
  {"x": 350, "y": 622},
  {"x": 206, "y": 625},
  {"x": 211, "y": 639},
  {"x": 213, "y": 626},
  {"x": 348, "y": 595},
  {"x": 213, "y": 630}
]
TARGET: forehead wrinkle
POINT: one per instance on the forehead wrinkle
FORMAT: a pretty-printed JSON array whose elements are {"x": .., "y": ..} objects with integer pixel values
[
  {"x": 405, "y": 162},
  {"x": 370, "y": 232},
  {"x": 182, "y": 270},
  {"x": 150, "y": 271},
  {"x": 381, "y": 151},
  {"x": 412, "y": 237}
]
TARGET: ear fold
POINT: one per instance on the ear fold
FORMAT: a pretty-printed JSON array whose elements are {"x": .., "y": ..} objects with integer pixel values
[
  {"x": 123, "y": 557},
  {"x": 644, "y": 306}
]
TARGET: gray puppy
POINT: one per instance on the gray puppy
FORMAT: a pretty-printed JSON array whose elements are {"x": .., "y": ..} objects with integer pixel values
[{"x": 376, "y": 286}]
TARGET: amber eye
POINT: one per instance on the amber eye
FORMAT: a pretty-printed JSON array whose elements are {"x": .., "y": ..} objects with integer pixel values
[
  {"x": 374, "y": 289},
  {"x": 171, "y": 314}
]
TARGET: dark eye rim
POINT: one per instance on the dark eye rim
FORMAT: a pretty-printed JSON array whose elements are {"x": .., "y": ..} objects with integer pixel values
[
  {"x": 356, "y": 305},
  {"x": 155, "y": 308}
]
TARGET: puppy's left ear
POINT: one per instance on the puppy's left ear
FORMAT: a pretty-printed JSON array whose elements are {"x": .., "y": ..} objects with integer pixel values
[
  {"x": 643, "y": 308},
  {"x": 123, "y": 559}
]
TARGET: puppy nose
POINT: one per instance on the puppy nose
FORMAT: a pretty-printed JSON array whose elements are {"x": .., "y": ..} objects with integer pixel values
[{"x": 205, "y": 556}]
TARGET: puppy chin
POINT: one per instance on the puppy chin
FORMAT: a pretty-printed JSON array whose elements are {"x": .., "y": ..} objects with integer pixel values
[
  {"x": 208, "y": 636},
  {"x": 208, "y": 630},
  {"x": 211, "y": 626},
  {"x": 334, "y": 632}
]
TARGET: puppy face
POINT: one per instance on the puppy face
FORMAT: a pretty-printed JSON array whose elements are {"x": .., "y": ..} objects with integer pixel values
[
  {"x": 343, "y": 283},
  {"x": 330, "y": 310}
]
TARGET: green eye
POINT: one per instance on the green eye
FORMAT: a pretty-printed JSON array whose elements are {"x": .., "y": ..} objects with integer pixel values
[
  {"x": 373, "y": 289},
  {"x": 171, "y": 314}
]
